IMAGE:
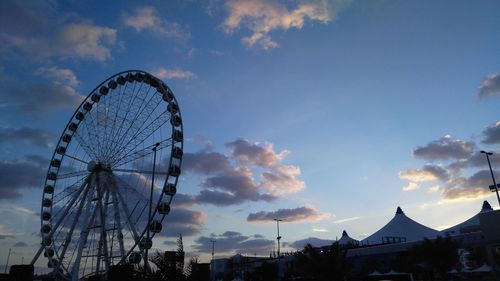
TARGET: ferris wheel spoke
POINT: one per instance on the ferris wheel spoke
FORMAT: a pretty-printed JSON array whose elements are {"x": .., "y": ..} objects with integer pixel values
[
  {"x": 68, "y": 191},
  {"x": 139, "y": 171},
  {"x": 135, "y": 155},
  {"x": 76, "y": 158},
  {"x": 67, "y": 240},
  {"x": 86, "y": 147},
  {"x": 142, "y": 133},
  {"x": 139, "y": 120},
  {"x": 113, "y": 134},
  {"x": 67, "y": 209},
  {"x": 72, "y": 174},
  {"x": 117, "y": 121},
  {"x": 128, "y": 122}
]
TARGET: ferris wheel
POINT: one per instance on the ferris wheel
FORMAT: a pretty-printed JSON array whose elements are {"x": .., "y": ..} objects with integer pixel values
[{"x": 112, "y": 177}]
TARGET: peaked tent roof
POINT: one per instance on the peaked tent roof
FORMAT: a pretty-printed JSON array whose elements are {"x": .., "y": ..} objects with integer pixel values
[
  {"x": 470, "y": 223},
  {"x": 400, "y": 229},
  {"x": 346, "y": 239}
]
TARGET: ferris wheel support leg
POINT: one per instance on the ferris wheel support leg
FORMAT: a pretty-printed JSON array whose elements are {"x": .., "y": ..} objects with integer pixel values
[
  {"x": 37, "y": 255},
  {"x": 131, "y": 225},
  {"x": 118, "y": 221},
  {"x": 88, "y": 195},
  {"x": 127, "y": 213},
  {"x": 83, "y": 237},
  {"x": 65, "y": 213},
  {"x": 103, "y": 245}
]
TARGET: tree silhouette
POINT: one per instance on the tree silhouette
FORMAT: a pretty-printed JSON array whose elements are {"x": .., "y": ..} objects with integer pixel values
[
  {"x": 435, "y": 257},
  {"x": 320, "y": 264}
]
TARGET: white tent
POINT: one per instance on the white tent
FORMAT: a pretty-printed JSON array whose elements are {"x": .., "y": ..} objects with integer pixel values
[
  {"x": 346, "y": 240},
  {"x": 468, "y": 225},
  {"x": 400, "y": 229}
]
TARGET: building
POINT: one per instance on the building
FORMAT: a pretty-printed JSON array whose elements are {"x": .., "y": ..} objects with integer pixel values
[{"x": 374, "y": 257}]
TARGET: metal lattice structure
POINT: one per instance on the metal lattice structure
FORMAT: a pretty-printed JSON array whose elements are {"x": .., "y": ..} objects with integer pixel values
[{"x": 101, "y": 182}]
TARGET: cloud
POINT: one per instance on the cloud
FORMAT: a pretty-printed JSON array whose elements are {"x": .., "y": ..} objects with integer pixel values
[
  {"x": 183, "y": 200},
  {"x": 490, "y": 86},
  {"x": 60, "y": 76},
  {"x": 434, "y": 188},
  {"x": 263, "y": 16},
  {"x": 85, "y": 40},
  {"x": 20, "y": 244},
  {"x": 348, "y": 219},
  {"x": 37, "y": 29},
  {"x": 147, "y": 18},
  {"x": 282, "y": 180},
  {"x": 491, "y": 135},
  {"x": 234, "y": 242},
  {"x": 252, "y": 172},
  {"x": 164, "y": 73},
  {"x": 444, "y": 149},
  {"x": 411, "y": 186},
  {"x": 475, "y": 186},
  {"x": 183, "y": 221},
  {"x": 55, "y": 93},
  {"x": 205, "y": 162},
  {"x": 315, "y": 242},
  {"x": 38, "y": 137},
  {"x": 255, "y": 153},
  {"x": 20, "y": 174},
  {"x": 299, "y": 214},
  {"x": 427, "y": 173},
  {"x": 232, "y": 187}
]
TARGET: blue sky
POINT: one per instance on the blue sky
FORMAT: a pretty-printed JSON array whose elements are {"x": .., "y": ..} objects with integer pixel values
[{"x": 332, "y": 113}]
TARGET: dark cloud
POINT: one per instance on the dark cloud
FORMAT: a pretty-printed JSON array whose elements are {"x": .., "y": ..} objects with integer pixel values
[
  {"x": 288, "y": 215},
  {"x": 249, "y": 153},
  {"x": 38, "y": 137},
  {"x": 183, "y": 221},
  {"x": 205, "y": 162},
  {"x": 5, "y": 236},
  {"x": 229, "y": 180},
  {"x": 478, "y": 159},
  {"x": 36, "y": 29},
  {"x": 444, "y": 149},
  {"x": 222, "y": 198},
  {"x": 184, "y": 200},
  {"x": 43, "y": 97},
  {"x": 237, "y": 182},
  {"x": 472, "y": 187},
  {"x": 231, "y": 242},
  {"x": 427, "y": 173},
  {"x": 20, "y": 174},
  {"x": 491, "y": 135},
  {"x": 20, "y": 244},
  {"x": 490, "y": 86},
  {"x": 315, "y": 242}
]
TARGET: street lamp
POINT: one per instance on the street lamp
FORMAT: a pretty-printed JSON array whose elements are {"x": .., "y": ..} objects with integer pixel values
[
  {"x": 213, "y": 247},
  {"x": 150, "y": 219},
  {"x": 279, "y": 237},
  {"x": 493, "y": 187}
]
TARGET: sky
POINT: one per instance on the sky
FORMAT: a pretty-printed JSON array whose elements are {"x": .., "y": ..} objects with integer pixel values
[{"x": 327, "y": 114}]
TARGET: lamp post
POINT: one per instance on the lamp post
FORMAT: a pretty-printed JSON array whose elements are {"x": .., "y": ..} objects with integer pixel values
[
  {"x": 213, "y": 247},
  {"x": 493, "y": 187},
  {"x": 279, "y": 237},
  {"x": 150, "y": 219},
  {"x": 7, "y": 263}
]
